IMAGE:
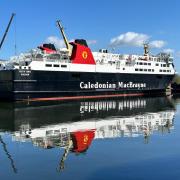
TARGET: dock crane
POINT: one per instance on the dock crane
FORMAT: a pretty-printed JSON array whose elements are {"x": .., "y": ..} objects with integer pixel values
[
  {"x": 8, "y": 154},
  {"x": 7, "y": 29},
  {"x": 68, "y": 46}
]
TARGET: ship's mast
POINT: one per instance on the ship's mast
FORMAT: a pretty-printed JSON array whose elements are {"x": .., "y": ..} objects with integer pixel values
[
  {"x": 146, "y": 49},
  {"x": 2, "y": 41},
  {"x": 63, "y": 35}
]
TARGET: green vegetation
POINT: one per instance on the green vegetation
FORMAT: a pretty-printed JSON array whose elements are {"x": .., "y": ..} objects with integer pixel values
[{"x": 176, "y": 79}]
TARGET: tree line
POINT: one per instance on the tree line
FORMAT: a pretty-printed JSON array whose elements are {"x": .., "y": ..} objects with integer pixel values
[{"x": 176, "y": 79}]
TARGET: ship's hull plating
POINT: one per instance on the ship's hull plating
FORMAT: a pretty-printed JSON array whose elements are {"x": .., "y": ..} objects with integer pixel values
[{"x": 56, "y": 85}]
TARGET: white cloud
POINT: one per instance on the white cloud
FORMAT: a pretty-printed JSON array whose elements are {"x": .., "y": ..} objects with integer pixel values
[
  {"x": 169, "y": 51},
  {"x": 129, "y": 39},
  {"x": 136, "y": 39},
  {"x": 157, "y": 44},
  {"x": 59, "y": 43}
]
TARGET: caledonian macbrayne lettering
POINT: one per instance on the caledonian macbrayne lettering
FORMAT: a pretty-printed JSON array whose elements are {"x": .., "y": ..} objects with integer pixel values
[{"x": 107, "y": 85}]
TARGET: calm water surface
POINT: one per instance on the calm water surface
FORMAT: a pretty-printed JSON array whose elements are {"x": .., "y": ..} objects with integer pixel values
[{"x": 135, "y": 138}]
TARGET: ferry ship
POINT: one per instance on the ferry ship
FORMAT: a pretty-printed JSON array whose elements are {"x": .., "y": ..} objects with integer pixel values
[{"x": 76, "y": 72}]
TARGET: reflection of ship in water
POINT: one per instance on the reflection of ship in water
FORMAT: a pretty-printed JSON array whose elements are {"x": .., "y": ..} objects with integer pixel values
[
  {"x": 75, "y": 125},
  {"x": 108, "y": 119},
  {"x": 56, "y": 135}
]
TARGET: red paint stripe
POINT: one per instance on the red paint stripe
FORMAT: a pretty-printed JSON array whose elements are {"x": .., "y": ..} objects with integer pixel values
[{"x": 83, "y": 97}]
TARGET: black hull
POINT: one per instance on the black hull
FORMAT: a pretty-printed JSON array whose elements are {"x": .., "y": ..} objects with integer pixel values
[{"x": 47, "y": 85}]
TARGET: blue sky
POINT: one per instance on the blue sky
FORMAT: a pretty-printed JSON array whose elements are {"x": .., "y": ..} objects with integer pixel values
[{"x": 98, "y": 21}]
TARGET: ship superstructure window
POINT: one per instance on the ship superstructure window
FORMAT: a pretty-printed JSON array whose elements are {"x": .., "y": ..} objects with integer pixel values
[
  {"x": 56, "y": 65},
  {"x": 145, "y": 70},
  {"x": 163, "y": 65},
  {"x": 48, "y": 65},
  {"x": 157, "y": 64},
  {"x": 64, "y": 66},
  {"x": 149, "y": 64},
  {"x": 141, "y": 63},
  {"x": 103, "y": 51}
]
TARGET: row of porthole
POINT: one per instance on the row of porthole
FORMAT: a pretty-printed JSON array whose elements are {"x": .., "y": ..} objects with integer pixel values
[
  {"x": 163, "y": 65},
  {"x": 56, "y": 65},
  {"x": 141, "y": 63},
  {"x": 149, "y": 70},
  {"x": 164, "y": 70}
]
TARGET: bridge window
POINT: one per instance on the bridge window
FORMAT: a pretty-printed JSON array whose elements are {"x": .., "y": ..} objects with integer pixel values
[
  {"x": 64, "y": 66},
  {"x": 56, "y": 65},
  {"x": 48, "y": 65}
]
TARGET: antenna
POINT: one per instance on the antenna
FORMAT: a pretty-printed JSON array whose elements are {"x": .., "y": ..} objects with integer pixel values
[{"x": 146, "y": 49}]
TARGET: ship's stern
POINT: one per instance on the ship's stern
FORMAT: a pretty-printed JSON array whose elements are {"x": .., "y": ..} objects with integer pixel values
[{"x": 6, "y": 85}]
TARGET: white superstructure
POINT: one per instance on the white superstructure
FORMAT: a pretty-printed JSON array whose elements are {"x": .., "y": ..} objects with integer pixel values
[{"x": 105, "y": 62}]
